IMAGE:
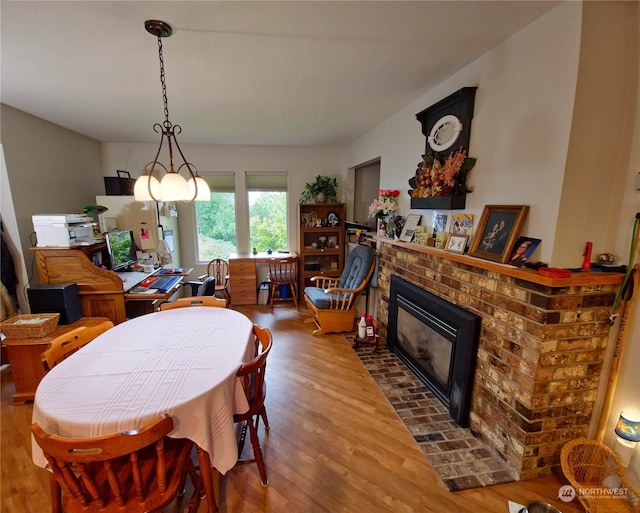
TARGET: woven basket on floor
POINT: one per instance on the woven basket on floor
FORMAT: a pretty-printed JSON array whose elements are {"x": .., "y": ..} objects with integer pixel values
[
  {"x": 41, "y": 325},
  {"x": 590, "y": 466}
]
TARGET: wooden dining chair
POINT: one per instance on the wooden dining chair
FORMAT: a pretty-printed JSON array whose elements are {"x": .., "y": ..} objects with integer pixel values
[
  {"x": 184, "y": 302},
  {"x": 252, "y": 375},
  {"x": 65, "y": 345},
  {"x": 130, "y": 472},
  {"x": 283, "y": 276}
]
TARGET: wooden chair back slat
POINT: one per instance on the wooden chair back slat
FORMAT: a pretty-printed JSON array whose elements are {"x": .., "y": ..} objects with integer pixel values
[
  {"x": 65, "y": 345},
  {"x": 194, "y": 301},
  {"x": 126, "y": 472}
]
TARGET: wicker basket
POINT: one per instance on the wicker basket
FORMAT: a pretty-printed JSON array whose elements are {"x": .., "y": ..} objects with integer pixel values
[{"x": 16, "y": 327}]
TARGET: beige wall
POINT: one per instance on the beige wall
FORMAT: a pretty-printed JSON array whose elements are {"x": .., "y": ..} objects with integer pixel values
[
  {"x": 601, "y": 130},
  {"x": 49, "y": 170}
]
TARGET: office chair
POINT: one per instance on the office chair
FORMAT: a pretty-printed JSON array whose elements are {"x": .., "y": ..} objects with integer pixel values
[{"x": 204, "y": 287}]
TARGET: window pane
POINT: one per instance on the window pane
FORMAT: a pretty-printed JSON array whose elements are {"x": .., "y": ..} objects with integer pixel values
[
  {"x": 216, "y": 224},
  {"x": 268, "y": 220}
]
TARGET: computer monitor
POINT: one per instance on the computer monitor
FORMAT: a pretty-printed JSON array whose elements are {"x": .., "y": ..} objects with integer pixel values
[{"x": 122, "y": 249}]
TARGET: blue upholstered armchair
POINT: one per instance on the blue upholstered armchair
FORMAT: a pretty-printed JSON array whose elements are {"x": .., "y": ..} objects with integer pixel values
[{"x": 332, "y": 301}]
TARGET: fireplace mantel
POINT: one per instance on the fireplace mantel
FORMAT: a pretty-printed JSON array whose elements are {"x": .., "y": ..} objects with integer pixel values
[
  {"x": 577, "y": 278},
  {"x": 541, "y": 350}
]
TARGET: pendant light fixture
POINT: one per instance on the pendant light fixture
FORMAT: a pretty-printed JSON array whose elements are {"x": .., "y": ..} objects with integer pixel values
[{"x": 173, "y": 186}]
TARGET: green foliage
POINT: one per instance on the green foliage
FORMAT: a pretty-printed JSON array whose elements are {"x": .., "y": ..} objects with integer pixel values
[
  {"x": 326, "y": 184},
  {"x": 217, "y": 225},
  {"x": 267, "y": 222}
]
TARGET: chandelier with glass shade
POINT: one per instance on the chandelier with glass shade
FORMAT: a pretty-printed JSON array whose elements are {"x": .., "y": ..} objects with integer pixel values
[{"x": 173, "y": 186}]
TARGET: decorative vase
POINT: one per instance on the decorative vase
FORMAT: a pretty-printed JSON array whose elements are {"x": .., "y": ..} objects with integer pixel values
[
  {"x": 382, "y": 228},
  {"x": 320, "y": 198}
]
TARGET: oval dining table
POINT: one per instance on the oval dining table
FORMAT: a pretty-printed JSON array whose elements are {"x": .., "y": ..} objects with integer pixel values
[{"x": 181, "y": 362}]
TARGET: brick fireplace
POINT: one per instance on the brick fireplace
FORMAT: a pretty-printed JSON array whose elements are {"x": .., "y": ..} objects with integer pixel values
[{"x": 541, "y": 349}]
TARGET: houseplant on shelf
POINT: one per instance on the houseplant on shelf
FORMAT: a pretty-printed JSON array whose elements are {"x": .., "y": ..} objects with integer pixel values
[
  {"x": 441, "y": 182},
  {"x": 322, "y": 190},
  {"x": 384, "y": 209}
]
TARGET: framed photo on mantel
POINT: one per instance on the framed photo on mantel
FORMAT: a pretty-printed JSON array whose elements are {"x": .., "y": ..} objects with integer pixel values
[
  {"x": 497, "y": 231},
  {"x": 409, "y": 228}
]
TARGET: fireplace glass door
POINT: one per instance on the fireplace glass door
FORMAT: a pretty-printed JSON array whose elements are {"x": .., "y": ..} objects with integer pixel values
[
  {"x": 437, "y": 340},
  {"x": 430, "y": 350}
]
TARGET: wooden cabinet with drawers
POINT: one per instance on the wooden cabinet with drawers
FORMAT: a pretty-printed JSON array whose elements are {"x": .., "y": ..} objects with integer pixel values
[{"x": 242, "y": 279}]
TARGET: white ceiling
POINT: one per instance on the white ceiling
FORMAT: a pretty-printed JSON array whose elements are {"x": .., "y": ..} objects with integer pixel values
[{"x": 276, "y": 73}]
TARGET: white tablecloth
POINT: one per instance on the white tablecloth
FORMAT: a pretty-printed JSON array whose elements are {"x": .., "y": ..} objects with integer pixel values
[{"x": 181, "y": 362}]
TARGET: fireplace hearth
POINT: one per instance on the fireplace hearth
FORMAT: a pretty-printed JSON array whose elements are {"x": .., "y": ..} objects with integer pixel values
[{"x": 438, "y": 341}]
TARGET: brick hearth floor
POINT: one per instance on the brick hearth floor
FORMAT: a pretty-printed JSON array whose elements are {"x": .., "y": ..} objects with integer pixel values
[{"x": 461, "y": 460}]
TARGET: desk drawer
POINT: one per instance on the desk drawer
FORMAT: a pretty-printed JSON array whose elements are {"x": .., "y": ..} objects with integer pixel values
[
  {"x": 243, "y": 289},
  {"x": 242, "y": 267}
]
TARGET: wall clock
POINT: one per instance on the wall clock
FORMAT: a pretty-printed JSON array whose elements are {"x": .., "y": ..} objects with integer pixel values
[
  {"x": 447, "y": 123},
  {"x": 444, "y": 133}
]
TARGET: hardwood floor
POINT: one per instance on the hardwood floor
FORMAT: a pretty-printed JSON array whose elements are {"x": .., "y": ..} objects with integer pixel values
[{"x": 335, "y": 444}]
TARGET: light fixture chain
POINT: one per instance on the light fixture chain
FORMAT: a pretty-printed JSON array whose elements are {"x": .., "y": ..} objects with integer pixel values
[{"x": 167, "y": 123}]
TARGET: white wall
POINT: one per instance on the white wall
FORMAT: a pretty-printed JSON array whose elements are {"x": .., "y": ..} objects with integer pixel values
[
  {"x": 520, "y": 130},
  {"x": 523, "y": 127}
]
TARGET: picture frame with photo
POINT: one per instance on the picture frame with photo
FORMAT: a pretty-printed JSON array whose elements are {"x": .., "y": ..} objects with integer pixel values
[
  {"x": 304, "y": 219},
  {"x": 522, "y": 251},
  {"x": 461, "y": 224},
  {"x": 497, "y": 231},
  {"x": 409, "y": 228},
  {"x": 457, "y": 244},
  {"x": 438, "y": 223}
]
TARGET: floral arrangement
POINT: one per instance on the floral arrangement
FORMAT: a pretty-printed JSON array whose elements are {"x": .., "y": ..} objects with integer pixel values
[
  {"x": 385, "y": 205},
  {"x": 436, "y": 178}
]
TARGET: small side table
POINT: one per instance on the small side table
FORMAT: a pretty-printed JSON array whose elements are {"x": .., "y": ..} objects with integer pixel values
[{"x": 25, "y": 357}]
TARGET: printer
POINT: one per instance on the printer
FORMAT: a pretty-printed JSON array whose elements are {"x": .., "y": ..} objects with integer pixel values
[{"x": 63, "y": 230}]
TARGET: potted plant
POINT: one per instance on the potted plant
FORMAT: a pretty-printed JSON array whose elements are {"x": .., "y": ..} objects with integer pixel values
[{"x": 321, "y": 190}]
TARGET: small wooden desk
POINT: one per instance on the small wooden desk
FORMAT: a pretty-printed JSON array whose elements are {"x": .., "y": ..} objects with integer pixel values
[
  {"x": 243, "y": 275},
  {"x": 25, "y": 357}
]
